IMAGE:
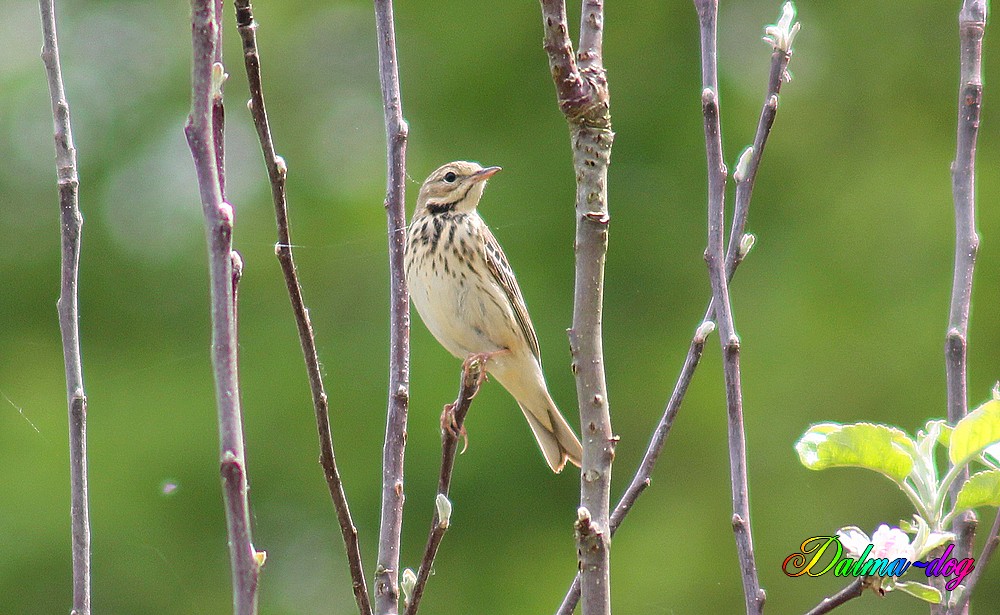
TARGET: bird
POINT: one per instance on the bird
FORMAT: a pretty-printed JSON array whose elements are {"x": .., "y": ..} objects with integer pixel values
[{"x": 466, "y": 294}]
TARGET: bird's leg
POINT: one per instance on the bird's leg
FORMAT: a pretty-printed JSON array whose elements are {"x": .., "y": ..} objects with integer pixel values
[
  {"x": 450, "y": 426},
  {"x": 477, "y": 362},
  {"x": 473, "y": 366}
]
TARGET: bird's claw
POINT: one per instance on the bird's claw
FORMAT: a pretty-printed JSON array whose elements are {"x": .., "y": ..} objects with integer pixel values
[
  {"x": 474, "y": 366},
  {"x": 450, "y": 426},
  {"x": 477, "y": 363}
]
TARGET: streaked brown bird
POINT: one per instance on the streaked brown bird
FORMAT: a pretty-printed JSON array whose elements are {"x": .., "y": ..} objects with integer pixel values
[{"x": 467, "y": 295}]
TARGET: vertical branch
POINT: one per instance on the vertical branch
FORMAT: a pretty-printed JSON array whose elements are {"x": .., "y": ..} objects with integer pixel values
[
  {"x": 739, "y": 246},
  {"x": 276, "y": 171},
  {"x": 972, "y": 24},
  {"x": 989, "y": 547},
  {"x": 71, "y": 222},
  {"x": 643, "y": 475},
  {"x": 472, "y": 378},
  {"x": 206, "y": 83},
  {"x": 386, "y": 572},
  {"x": 715, "y": 258},
  {"x": 582, "y": 92},
  {"x": 218, "y": 109}
]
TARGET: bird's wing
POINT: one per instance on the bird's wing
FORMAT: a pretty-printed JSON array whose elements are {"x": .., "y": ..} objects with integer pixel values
[{"x": 503, "y": 275}]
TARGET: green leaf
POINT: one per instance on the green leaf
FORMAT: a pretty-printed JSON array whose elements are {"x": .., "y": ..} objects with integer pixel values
[
  {"x": 926, "y": 541},
  {"x": 975, "y": 432},
  {"x": 991, "y": 456},
  {"x": 925, "y": 472},
  {"x": 934, "y": 432},
  {"x": 919, "y": 590},
  {"x": 982, "y": 489},
  {"x": 881, "y": 448},
  {"x": 945, "y": 438}
]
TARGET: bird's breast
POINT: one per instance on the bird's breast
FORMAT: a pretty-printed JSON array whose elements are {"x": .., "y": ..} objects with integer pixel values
[{"x": 451, "y": 287}]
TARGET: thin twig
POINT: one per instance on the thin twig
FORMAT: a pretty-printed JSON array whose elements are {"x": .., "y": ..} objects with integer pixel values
[
  {"x": 852, "y": 591},
  {"x": 734, "y": 257},
  {"x": 715, "y": 257},
  {"x": 642, "y": 476},
  {"x": 972, "y": 24},
  {"x": 218, "y": 108},
  {"x": 277, "y": 171},
  {"x": 386, "y": 572},
  {"x": 582, "y": 93},
  {"x": 237, "y": 261},
  {"x": 472, "y": 373},
  {"x": 206, "y": 82},
  {"x": 71, "y": 222},
  {"x": 992, "y": 541}
]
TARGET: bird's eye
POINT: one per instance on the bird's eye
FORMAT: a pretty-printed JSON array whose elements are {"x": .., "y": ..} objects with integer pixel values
[{"x": 450, "y": 177}]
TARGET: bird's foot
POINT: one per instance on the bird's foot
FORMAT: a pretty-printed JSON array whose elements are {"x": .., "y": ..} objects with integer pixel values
[
  {"x": 449, "y": 425},
  {"x": 477, "y": 361},
  {"x": 473, "y": 375}
]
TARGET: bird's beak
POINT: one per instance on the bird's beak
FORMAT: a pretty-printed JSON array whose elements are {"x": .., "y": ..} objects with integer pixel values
[{"x": 485, "y": 174}]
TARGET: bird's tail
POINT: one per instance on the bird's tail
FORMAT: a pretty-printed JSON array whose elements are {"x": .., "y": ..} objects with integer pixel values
[
  {"x": 521, "y": 375},
  {"x": 554, "y": 435}
]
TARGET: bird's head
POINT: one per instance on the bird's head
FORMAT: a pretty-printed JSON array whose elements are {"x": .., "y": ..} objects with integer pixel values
[{"x": 456, "y": 186}]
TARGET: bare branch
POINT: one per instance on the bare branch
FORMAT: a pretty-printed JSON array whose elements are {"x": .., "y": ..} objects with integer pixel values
[
  {"x": 642, "y": 476},
  {"x": 277, "y": 171},
  {"x": 852, "y": 591},
  {"x": 218, "y": 109},
  {"x": 71, "y": 222},
  {"x": 387, "y": 573},
  {"x": 989, "y": 547},
  {"x": 715, "y": 257},
  {"x": 582, "y": 93},
  {"x": 206, "y": 80},
  {"x": 591, "y": 56},
  {"x": 472, "y": 377},
  {"x": 972, "y": 25},
  {"x": 734, "y": 256}
]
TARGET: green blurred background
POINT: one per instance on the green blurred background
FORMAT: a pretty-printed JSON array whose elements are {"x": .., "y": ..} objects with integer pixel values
[{"x": 842, "y": 306}]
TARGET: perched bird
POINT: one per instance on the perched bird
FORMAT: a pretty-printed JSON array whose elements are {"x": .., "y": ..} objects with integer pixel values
[{"x": 466, "y": 294}]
